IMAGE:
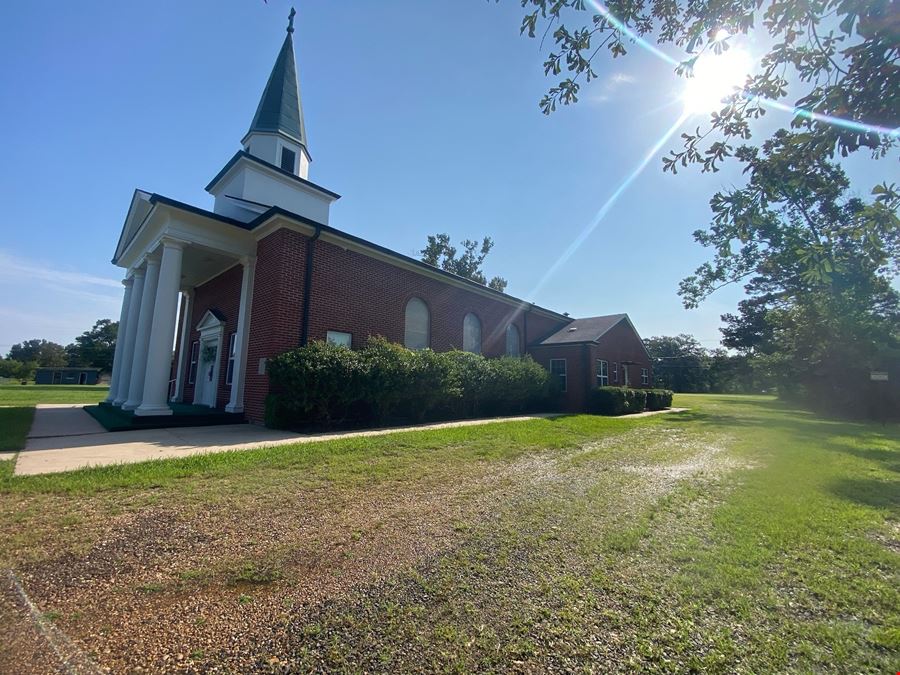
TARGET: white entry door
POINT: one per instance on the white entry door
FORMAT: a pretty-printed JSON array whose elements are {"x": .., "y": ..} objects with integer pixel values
[
  {"x": 208, "y": 372},
  {"x": 211, "y": 328}
]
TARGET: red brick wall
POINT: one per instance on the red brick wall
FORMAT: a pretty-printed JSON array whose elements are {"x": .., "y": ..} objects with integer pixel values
[
  {"x": 620, "y": 344},
  {"x": 541, "y": 327},
  {"x": 356, "y": 294},
  {"x": 578, "y": 371},
  {"x": 223, "y": 294},
  {"x": 276, "y": 310}
]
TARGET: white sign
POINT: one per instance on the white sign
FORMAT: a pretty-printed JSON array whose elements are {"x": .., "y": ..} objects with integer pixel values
[{"x": 878, "y": 376}]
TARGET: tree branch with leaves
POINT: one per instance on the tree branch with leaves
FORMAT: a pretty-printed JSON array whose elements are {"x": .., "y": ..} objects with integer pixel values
[{"x": 440, "y": 252}]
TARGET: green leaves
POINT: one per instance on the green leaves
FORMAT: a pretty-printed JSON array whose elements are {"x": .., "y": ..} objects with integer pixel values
[
  {"x": 835, "y": 70},
  {"x": 440, "y": 253},
  {"x": 323, "y": 384},
  {"x": 794, "y": 226}
]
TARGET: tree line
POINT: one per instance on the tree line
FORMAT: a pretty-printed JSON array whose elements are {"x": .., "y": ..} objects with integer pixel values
[
  {"x": 92, "y": 349},
  {"x": 682, "y": 364}
]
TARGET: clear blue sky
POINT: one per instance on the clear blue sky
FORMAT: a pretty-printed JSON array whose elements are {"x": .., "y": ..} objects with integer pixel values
[{"x": 423, "y": 116}]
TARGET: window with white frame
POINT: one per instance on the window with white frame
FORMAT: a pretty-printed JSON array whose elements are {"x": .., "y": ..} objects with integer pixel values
[
  {"x": 602, "y": 373},
  {"x": 558, "y": 369},
  {"x": 513, "y": 347},
  {"x": 417, "y": 327},
  {"x": 339, "y": 338},
  {"x": 472, "y": 334},
  {"x": 229, "y": 372},
  {"x": 615, "y": 372},
  {"x": 645, "y": 376},
  {"x": 195, "y": 357}
]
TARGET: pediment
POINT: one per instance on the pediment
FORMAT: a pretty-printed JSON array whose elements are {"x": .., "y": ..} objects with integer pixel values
[
  {"x": 137, "y": 211},
  {"x": 211, "y": 320}
]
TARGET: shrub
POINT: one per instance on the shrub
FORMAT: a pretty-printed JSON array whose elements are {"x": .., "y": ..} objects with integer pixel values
[
  {"x": 386, "y": 371},
  {"x": 513, "y": 385},
  {"x": 617, "y": 400},
  {"x": 429, "y": 384},
  {"x": 468, "y": 377},
  {"x": 659, "y": 399},
  {"x": 637, "y": 400},
  {"x": 318, "y": 383},
  {"x": 321, "y": 384}
]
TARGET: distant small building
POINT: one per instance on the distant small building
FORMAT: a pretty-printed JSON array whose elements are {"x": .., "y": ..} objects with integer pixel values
[{"x": 67, "y": 376}]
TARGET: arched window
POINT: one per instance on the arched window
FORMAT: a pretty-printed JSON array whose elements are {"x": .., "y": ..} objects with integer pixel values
[
  {"x": 472, "y": 334},
  {"x": 417, "y": 333},
  {"x": 512, "y": 340}
]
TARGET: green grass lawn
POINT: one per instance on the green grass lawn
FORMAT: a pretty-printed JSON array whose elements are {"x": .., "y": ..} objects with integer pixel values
[
  {"x": 32, "y": 394},
  {"x": 17, "y": 403},
  {"x": 740, "y": 536}
]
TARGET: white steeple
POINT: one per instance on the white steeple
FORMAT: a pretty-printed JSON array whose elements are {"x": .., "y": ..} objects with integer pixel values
[
  {"x": 272, "y": 168},
  {"x": 277, "y": 134}
]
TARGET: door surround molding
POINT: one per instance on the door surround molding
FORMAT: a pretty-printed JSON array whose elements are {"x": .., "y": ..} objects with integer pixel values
[{"x": 212, "y": 330}]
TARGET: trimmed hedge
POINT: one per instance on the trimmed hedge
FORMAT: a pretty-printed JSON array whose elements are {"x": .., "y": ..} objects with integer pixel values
[
  {"x": 323, "y": 384},
  {"x": 659, "y": 399},
  {"x": 623, "y": 401}
]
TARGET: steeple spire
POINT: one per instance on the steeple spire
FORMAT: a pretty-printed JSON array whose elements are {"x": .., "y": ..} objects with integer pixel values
[{"x": 280, "y": 111}]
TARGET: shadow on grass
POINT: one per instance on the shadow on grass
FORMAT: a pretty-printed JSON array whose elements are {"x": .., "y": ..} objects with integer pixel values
[
  {"x": 714, "y": 419},
  {"x": 15, "y": 422},
  {"x": 886, "y": 458},
  {"x": 766, "y": 403},
  {"x": 869, "y": 491},
  {"x": 773, "y": 414}
]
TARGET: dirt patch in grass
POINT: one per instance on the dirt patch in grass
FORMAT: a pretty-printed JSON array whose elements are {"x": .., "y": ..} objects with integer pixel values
[
  {"x": 196, "y": 586},
  {"x": 165, "y": 582}
]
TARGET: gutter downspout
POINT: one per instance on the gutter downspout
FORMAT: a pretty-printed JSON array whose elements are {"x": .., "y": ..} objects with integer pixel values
[
  {"x": 307, "y": 286},
  {"x": 525, "y": 328}
]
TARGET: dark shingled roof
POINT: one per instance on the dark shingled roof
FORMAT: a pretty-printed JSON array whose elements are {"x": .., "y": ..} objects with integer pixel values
[
  {"x": 279, "y": 108},
  {"x": 584, "y": 330}
]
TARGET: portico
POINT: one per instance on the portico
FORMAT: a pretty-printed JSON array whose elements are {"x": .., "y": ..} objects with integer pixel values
[{"x": 168, "y": 250}]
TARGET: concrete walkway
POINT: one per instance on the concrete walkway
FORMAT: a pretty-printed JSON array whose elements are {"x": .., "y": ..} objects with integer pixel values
[
  {"x": 73, "y": 448},
  {"x": 62, "y": 419}
]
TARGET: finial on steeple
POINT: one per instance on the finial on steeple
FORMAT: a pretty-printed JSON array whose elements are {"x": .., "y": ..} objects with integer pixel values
[{"x": 290, "y": 28}]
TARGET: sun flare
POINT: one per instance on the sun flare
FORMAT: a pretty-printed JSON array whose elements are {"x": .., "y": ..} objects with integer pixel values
[{"x": 715, "y": 77}]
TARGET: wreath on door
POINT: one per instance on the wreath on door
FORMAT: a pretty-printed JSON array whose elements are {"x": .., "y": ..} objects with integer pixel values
[{"x": 209, "y": 352}]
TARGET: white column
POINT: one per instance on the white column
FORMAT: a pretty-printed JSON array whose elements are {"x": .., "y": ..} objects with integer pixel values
[
  {"x": 142, "y": 336},
  {"x": 236, "y": 402},
  {"x": 128, "y": 282},
  {"x": 134, "y": 309},
  {"x": 159, "y": 349},
  {"x": 183, "y": 346}
]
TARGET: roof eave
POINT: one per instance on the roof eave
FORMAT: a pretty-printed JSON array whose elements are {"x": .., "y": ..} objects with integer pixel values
[{"x": 243, "y": 154}]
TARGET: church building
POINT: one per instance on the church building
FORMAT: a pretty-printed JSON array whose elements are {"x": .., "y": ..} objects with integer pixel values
[{"x": 264, "y": 272}]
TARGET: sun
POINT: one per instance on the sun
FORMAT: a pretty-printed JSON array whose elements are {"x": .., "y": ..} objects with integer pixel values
[{"x": 715, "y": 77}]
